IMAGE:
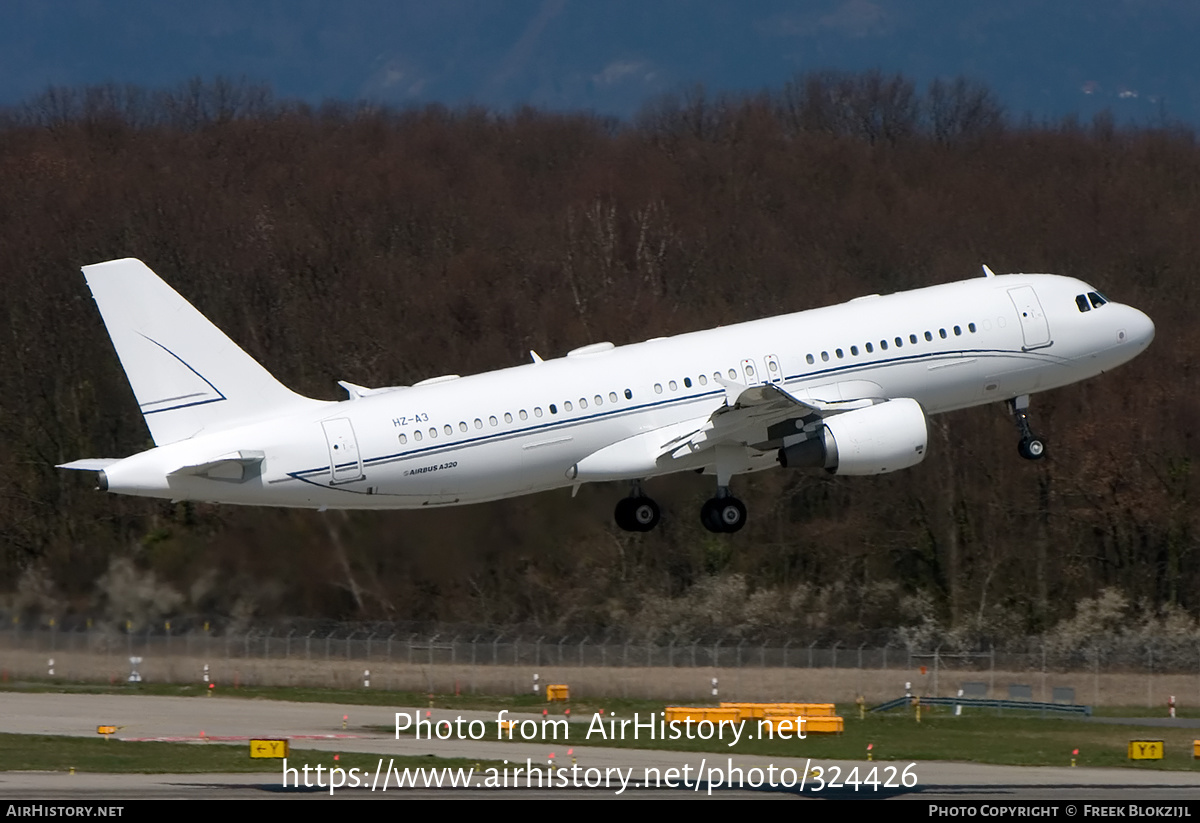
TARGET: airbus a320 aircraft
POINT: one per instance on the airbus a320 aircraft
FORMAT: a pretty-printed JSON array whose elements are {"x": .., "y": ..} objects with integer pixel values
[{"x": 844, "y": 389}]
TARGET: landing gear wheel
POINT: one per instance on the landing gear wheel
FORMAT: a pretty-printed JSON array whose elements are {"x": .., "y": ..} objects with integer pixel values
[
  {"x": 723, "y": 514},
  {"x": 637, "y": 514},
  {"x": 1032, "y": 448}
]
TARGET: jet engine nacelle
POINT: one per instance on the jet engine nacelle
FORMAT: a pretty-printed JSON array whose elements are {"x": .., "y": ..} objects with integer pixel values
[{"x": 878, "y": 439}]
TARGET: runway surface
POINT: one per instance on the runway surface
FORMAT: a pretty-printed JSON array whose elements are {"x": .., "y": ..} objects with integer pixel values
[{"x": 319, "y": 726}]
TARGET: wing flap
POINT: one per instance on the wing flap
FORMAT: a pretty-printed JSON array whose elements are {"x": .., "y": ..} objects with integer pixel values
[{"x": 752, "y": 414}]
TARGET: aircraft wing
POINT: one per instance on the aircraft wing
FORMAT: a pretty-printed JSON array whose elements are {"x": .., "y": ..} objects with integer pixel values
[{"x": 757, "y": 416}]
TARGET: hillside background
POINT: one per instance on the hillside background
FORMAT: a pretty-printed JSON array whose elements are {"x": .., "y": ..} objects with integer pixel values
[{"x": 383, "y": 246}]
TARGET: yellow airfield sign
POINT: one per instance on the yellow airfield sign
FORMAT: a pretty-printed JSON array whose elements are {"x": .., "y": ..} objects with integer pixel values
[
  {"x": 265, "y": 747},
  {"x": 1145, "y": 749}
]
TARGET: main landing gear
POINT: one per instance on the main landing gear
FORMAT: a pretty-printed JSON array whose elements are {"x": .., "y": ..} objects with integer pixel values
[
  {"x": 637, "y": 513},
  {"x": 1030, "y": 446},
  {"x": 723, "y": 513}
]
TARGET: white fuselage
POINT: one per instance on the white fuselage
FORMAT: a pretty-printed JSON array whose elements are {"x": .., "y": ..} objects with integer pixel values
[{"x": 525, "y": 429}]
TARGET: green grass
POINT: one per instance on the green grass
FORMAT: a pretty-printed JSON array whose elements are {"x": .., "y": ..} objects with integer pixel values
[
  {"x": 30, "y": 752},
  {"x": 357, "y": 697}
]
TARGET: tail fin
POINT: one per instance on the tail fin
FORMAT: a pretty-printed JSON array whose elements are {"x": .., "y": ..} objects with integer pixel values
[{"x": 186, "y": 374}]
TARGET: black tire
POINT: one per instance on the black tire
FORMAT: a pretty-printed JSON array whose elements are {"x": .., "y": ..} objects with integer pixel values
[
  {"x": 710, "y": 517},
  {"x": 732, "y": 513},
  {"x": 636, "y": 514},
  {"x": 723, "y": 515},
  {"x": 645, "y": 514},
  {"x": 1032, "y": 448},
  {"x": 623, "y": 514}
]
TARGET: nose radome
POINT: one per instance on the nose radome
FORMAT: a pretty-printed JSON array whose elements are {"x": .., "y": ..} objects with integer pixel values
[
  {"x": 1142, "y": 328},
  {"x": 1136, "y": 328}
]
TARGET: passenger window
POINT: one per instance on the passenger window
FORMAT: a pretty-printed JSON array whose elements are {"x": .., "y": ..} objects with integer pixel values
[
  {"x": 825, "y": 356},
  {"x": 628, "y": 394},
  {"x": 912, "y": 338},
  {"x": 703, "y": 380},
  {"x": 478, "y": 423},
  {"x": 462, "y": 427},
  {"x": 958, "y": 331},
  {"x": 810, "y": 359},
  {"x": 583, "y": 402},
  {"x": 870, "y": 348},
  {"x": 673, "y": 386},
  {"x": 403, "y": 439},
  {"x": 537, "y": 411},
  {"x": 971, "y": 327},
  {"x": 658, "y": 388},
  {"x": 687, "y": 382},
  {"x": 899, "y": 342},
  {"x": 448, "y": 429},
  {"x": 928, "y": 337},
  {"x": 508, "y": 417},
  {"x": 524, "y": 414},
  {"x": 417, "y": 435},
  {"x": 432, "y": 433},
  {"x": 732, "y": 374},
  {"x": 839, "y": 354},
  {"x": 612, "y": 396},
  {"x": 883, "y": 345},
  {"x": 599, "y": 400},
  {"x": 553, "y": 409},
  {"x": 854, "y": 351},
  {"x": 942, "y": 332},
  {"x": 567, "y": 406},
  {"x": 493, "y": 420}
]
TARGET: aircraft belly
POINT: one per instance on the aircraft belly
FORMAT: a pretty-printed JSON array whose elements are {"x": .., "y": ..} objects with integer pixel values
[{"x": 486, "y": 471}]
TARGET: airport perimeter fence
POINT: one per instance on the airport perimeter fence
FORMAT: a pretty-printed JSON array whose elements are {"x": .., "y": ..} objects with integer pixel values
[{"x": 1110, "y": 655}]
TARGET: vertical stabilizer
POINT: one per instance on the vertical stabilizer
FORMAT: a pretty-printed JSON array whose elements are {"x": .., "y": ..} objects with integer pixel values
[{"x": 187, "y": 376}]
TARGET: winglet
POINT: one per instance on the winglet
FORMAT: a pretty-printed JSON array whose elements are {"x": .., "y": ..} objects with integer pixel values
[
  {"x": 733, "y": 390},
  {"x": 988, "y": 272}
]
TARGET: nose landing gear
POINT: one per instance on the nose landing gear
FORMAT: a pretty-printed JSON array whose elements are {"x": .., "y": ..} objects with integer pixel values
[{"x": 1030, "y": 446}]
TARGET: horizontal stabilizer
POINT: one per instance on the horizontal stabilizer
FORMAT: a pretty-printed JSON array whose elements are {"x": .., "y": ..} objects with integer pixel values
[
  {"x": 90, "y": 464},
  {"x": 235, "y": 466}
]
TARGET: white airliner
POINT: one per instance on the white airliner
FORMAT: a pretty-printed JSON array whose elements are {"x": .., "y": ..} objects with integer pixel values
[{"x": 846, "y": 389}]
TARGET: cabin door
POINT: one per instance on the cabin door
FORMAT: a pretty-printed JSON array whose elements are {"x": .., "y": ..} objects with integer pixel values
[
  {"x": 1033, "y": 319},
  {"x": 345, "y": 462}
]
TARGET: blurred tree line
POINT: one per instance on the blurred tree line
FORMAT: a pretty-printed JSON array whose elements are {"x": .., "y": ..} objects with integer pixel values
[{"x": 384, "y": 246}]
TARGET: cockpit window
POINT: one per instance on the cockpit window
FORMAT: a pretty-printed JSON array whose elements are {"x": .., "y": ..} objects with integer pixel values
[
  {"x": 1082, "y": 302},
  {"x": 1097, "y": 299}
]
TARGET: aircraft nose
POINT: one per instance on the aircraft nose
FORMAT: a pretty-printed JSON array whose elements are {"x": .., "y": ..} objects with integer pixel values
[{"x": 1139, "y": 328}]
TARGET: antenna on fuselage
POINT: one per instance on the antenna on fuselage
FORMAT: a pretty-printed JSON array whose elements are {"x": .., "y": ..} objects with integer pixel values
[
  {"x": 537, "y": 358},
  {"x": 988, "y": 272}
]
